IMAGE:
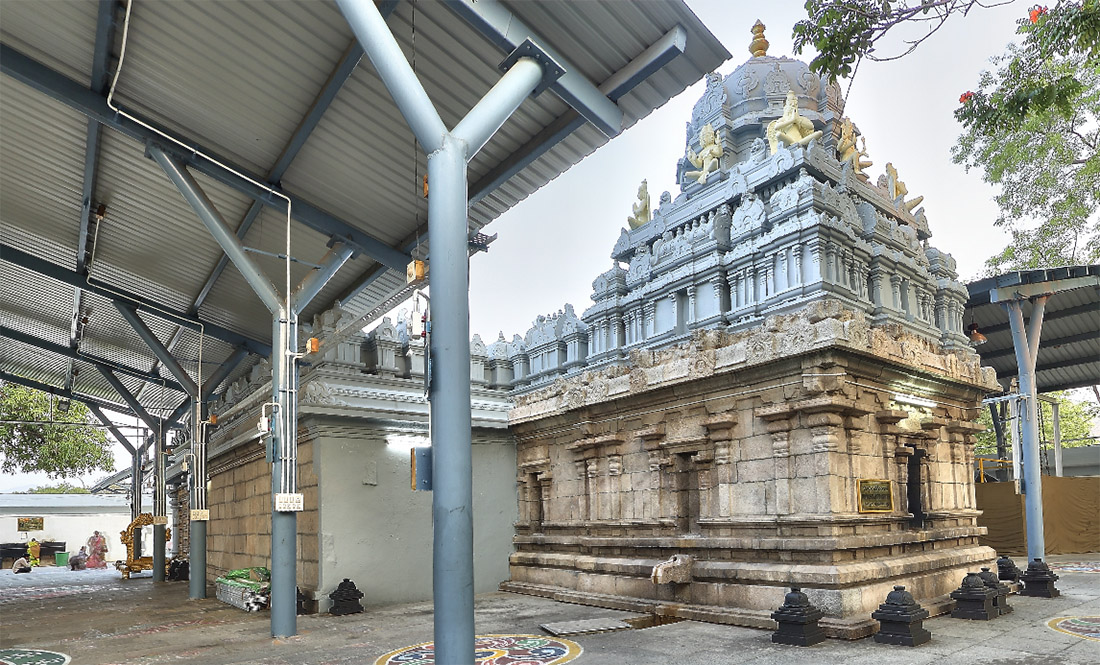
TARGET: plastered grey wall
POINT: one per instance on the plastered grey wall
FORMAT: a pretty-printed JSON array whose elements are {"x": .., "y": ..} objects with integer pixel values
[{"x": 377, "y": 532}]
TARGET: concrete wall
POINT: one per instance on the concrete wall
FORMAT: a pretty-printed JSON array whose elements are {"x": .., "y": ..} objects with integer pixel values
[{"x": 377, "y": 532}]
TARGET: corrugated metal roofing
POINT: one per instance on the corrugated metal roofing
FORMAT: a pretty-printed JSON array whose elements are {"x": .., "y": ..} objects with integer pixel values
[
  {"x": 238, "y": 78},
  {"x": 1069, "y": 346}
]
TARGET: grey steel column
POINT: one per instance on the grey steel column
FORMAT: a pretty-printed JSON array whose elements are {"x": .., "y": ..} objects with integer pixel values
[
  {"x": 284, "y": 525},
  {"x": 135, "y": 491},
  {"x": 158, "y": 506},
  {"x": 452, "y": 467},
  {"x": 196, "y": 538},
  {"x": 1057, "y": 439},
  {"x": 1026, "y": 345}
]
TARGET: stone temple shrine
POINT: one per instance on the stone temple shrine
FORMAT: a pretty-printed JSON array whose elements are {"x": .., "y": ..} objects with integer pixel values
[{"x": 772, "y": 389}]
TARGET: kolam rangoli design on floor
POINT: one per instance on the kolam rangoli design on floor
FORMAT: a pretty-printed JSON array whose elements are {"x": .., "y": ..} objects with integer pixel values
[
  {"x": 33, "y": 657},
  {"x": 495, "y": 650},
  {"x": 1084, "y": 627}
]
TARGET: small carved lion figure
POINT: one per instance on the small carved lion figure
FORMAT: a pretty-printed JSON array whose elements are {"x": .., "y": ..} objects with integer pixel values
[
  {"x": 791, "y": 128},
  {"x": 640, "y": 208},
  {"x": 707, "y": 159}
]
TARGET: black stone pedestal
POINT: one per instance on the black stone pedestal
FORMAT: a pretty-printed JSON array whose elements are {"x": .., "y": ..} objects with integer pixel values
[
  {"x": 974, "y": 600},
  {"x": 901, "y": 620},
  {"x": 797, "y": 620},
  {"x": 1007, "y": 570},
  {"x": 345, "y": 600},
  {"x": 1001, "y": 601},
  {"x": 1039, "y": 580}
]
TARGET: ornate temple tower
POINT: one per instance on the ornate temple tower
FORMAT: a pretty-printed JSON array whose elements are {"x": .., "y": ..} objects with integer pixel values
[{"x": 773, "y": 385}]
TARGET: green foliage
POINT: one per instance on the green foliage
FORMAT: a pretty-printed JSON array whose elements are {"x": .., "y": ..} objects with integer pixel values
[
  {"x": 60, "y": 488},
  {"x": 60, "y": 451},
  {"x": 1031, "y": 127},
  {"x": 846, "y": 31},
  {"x": 1076, "y": 419}
]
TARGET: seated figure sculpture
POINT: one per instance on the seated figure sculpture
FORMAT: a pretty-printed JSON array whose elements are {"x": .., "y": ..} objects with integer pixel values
[
  {"x": 848, "y": 152},
  {"x": 791, "y": 128},
  {"x": 898, "y": 190},
  {"x": 707, "y": 159},
  {"x": 640, "y": 208}
]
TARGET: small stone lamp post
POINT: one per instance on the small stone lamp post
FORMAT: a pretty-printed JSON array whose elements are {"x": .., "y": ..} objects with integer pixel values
[
  {"x": 1007, "y": 570},
  {"x": 345, "y": 600},
  {"x": 1039, "y": 580},
  {"x": 1001, "y": 601},
  {"x": 974, "y": 600},
  {"x": 797, "y": 620},
  {"x": 901, "y": 620}
]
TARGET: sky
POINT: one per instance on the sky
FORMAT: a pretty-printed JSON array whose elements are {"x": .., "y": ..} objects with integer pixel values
[{"x": 552, "y": 246}]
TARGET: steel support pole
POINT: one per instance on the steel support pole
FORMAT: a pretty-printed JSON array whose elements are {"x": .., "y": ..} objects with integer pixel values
[
  {"x": 196, "y": 539},
  {"x": 1057, "y": 439},
  {"x": 135, "y": 500},
  {"x": 159, "y": 511},
  {"x": 1026, "y": 344},
  {"x": 312, "y": 284},
  {"x": 452, "y": 466},
  {"x": 284, "y": 525}
]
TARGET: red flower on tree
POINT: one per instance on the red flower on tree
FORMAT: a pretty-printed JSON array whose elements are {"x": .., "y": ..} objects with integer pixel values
[
  {"x": 965, "y": 97},
  {"x": 1036, "y": 13}
]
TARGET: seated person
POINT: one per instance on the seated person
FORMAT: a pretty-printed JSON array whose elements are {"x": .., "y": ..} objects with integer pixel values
[
  {"x": 21, "y": 565},
  {"x": 79, "y": 561}
]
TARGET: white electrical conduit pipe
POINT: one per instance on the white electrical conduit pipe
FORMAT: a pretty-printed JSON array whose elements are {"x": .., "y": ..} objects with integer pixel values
[{"x": 287, "y": 453}]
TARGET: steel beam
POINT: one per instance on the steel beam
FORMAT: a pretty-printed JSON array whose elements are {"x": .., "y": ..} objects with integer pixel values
[
  {"x": 92, "y": 359},
  {"x": 217, "y": 376},
  {"x": 1025, "y": 340},
  {"x": 389, "y": 61},
  {"x": 141, "y": 303},
  {"x": 110, "y": 425},
  {"x": 214, "y": 223},
  {"x": 127, "y": 397},
  {"x": 660, "y": 53},
  {"x": 79, "y": 98},
  {"x": 158, "y": 349},
  {"x": 1057, "y": 341},
  {"x": 317, "y": 278},
  {"x": 507, "y": 32},
  {"x": 88, "y": 400}
]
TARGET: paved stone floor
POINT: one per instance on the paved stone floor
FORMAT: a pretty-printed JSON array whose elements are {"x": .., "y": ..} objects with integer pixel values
[{"x": 100, "y": 619}]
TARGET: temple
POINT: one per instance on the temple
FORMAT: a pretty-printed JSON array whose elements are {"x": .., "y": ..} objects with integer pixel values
[{"x": 773, "y": 387}]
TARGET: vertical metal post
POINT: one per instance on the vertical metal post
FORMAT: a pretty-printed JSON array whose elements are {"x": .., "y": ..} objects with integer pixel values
[
  {"x": 1014, "y": 421},
  {"x": 196, "y": 554},
  {"x": 1026, "y": 344},
  {"x": 452, "y": 466},
  {"x": 1057, "y": 438},
  {"x": 284, "y": 525},
  {"x": 135, "y": 491},
  {"x": 160, "y": 515}
]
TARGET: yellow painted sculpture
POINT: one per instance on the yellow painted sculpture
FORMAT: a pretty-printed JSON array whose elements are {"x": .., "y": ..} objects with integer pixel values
[
  {"x": 641, "y": 208},
  {"x": 847, "y": 151},
  {"x": 707, "y": 159},
  {"x": 135, "y": 563},
  {"x": 898, "y": 191},
  {"x": 791, "y": 128}
]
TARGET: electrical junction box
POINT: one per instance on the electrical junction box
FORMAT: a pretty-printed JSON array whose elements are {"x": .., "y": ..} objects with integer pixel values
[
  {"x": 200, "y": 515},
  {"x": 416, "y": 271},
  {"x": 289, "y": 503},
  {"x": 421, "y": 459}
]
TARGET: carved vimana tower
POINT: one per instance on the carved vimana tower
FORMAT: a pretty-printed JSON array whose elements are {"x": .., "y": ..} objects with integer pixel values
[{"x": 772, "y": 389}]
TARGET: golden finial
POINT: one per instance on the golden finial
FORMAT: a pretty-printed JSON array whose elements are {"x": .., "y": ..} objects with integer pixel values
[{"x": 758, "y": 47}]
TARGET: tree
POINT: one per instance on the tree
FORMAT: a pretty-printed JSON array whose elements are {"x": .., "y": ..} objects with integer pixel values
[
  {"x": 60, "y": 450},
  {"x": 60, "y": 488},
  {"x": 1031, "y": 125},
  {"x": 1075, "y": 419}
]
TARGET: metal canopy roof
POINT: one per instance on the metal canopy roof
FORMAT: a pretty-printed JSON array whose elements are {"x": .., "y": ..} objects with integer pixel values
[
  {"x": 276, "y": 91},
  {"x": 1069, "y": 347}
]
